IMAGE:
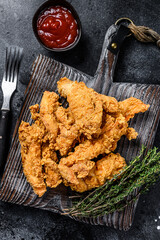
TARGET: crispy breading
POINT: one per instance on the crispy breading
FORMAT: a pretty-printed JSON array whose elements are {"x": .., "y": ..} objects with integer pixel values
[
  {"x": 86, "y": 109},
  {"x": 131, "y": 133},
  {"x": 34, "y": 110},
  {"x": 50, "y": 167},
  {"x": 108, "y": 166},
  {"x": 65, "y": 116},
  {"x": 51, "y": 172},
  {"x": 48, "y": 151},
  {"x": 84, "y": 136},
  {"x": 68, "y": 131},
  {"x": 104, "y": 169},
  {"x": 73, "y": 169},
  {"x": 30, "y": 138},
  {"x": 130, "y": 106},
  {"x": 110, "y": 104},
  {"x": 49, "y": 105},
  {"x": 66, "y": 139}
]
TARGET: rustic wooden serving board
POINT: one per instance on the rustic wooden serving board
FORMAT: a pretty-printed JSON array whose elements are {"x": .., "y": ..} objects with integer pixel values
[{"x": 45, "y": 73}]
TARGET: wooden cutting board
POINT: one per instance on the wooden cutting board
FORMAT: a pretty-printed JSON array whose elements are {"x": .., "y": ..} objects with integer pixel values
[{"x": 45, "y": 74}]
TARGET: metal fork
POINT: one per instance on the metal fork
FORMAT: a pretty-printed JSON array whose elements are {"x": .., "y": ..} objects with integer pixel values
[{"x": 9, "y": 84}]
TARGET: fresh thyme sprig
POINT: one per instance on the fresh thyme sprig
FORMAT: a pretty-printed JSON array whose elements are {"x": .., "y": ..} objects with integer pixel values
[{"x": 123, "y": 189}]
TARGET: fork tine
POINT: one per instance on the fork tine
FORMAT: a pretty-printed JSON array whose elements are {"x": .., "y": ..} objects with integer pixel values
[
  {"x": 4, "y": 74},
  {"x": 9, "y": 63},
  {"x": 14, "y": 59},
  {"x": 6, "y": 65},
  {"x": 17, "y": 64}
]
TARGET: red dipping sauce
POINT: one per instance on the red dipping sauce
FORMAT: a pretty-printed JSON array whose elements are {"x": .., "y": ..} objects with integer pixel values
[{"x": 57, "y": 27}]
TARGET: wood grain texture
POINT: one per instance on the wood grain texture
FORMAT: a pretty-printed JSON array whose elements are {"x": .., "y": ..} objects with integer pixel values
[{"x": 45, "y": 73}]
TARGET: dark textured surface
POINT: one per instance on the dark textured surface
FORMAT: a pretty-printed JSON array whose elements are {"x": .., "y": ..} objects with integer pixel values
[{"x": 137, "y": 63}]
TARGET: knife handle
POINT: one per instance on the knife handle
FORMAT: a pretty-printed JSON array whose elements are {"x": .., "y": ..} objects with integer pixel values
[{"x": 4, "y": 114}]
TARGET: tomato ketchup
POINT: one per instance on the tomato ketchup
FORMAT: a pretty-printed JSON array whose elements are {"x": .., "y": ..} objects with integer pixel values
[{"x": 57, "y": 27}]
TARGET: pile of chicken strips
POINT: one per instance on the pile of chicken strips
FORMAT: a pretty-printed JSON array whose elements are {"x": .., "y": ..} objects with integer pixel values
[{"x": 75, "y": 145}]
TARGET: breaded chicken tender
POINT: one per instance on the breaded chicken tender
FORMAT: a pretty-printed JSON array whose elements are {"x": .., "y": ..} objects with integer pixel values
[
  {"x": 30, "y": 138},
  {"x": 108, "y": 166},
  {"x": 103, "y": 170},
  {"x": 131, "y": 106},
  {"x": 86, "y": 109},
  {"x": 68, "y": 131},
  {"x": 51, "y": 173},
  {"x": 49, "y": 105}
]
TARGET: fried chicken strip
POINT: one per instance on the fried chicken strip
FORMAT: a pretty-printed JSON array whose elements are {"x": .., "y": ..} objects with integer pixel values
[
  {"x": 110, "y": 104},
  {"x": 130, "y": 106},
  {"x": 48, "y": 106},
  {"x": 73, "y": 170},
  {"x": 103, "y": 170},
  {"x": 108, "y": 166},
  {"x": 68, "y": 131},
  {"x": 59, "y": 123},
  {"x": 30, "y": 139},
  {"x": 86, "y": 109},
  {"x": 51, "y": 172}
]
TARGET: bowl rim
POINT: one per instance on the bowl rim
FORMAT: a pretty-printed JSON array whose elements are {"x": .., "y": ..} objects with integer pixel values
[{"x": 50, "y": 3}]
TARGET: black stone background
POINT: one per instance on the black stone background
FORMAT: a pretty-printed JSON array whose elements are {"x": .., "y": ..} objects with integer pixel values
[{"x": 137, "y": 62}]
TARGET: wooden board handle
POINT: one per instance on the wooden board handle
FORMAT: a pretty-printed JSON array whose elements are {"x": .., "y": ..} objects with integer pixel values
[{"x": 104, "y": 74}]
